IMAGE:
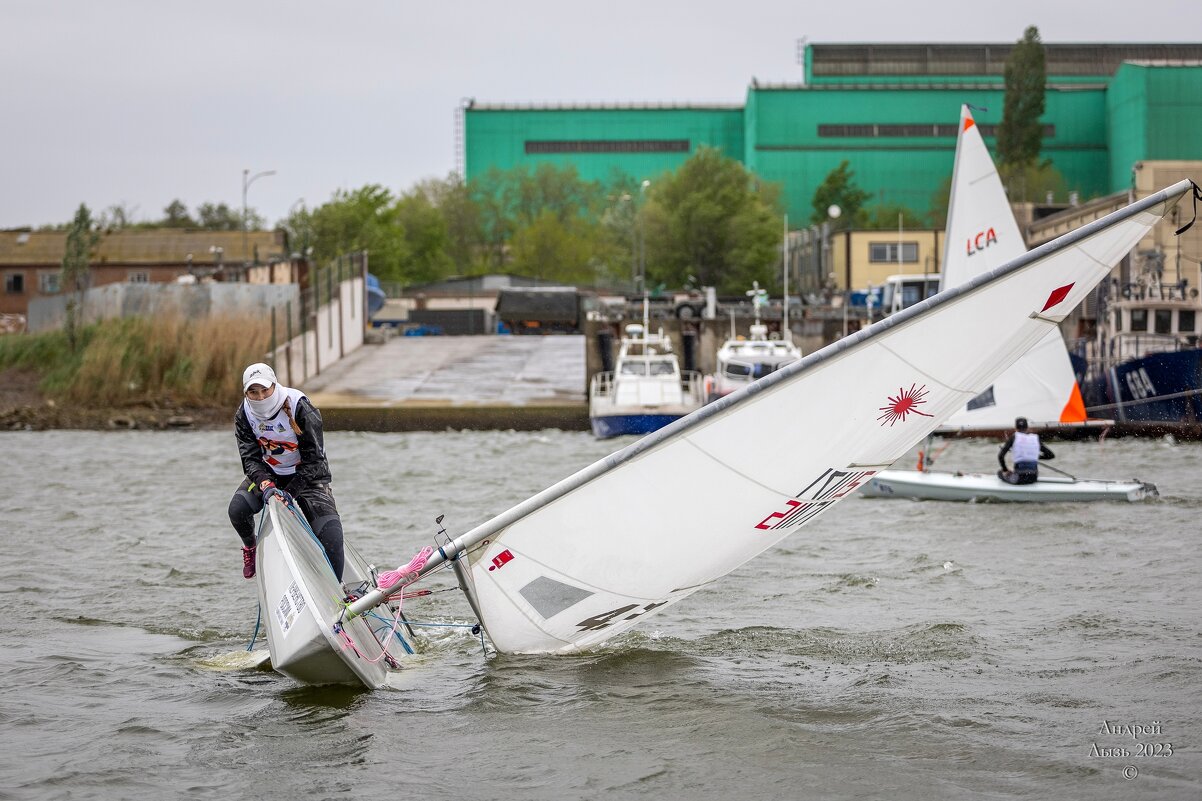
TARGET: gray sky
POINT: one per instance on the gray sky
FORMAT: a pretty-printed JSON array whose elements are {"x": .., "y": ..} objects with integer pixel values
[{"x": 138, "y": 103}]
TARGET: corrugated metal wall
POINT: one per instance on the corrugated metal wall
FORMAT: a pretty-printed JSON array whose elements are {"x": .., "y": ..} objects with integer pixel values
[
  {"x": 640, "y": 141},
  {"x": 795, "y": 135}
]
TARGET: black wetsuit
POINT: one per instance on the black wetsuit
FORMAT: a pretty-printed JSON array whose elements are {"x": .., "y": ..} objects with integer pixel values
[{"x": 309, "y": 485}]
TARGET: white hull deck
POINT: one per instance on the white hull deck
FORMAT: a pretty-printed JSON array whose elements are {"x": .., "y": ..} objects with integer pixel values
[
  {"x": 934, "y": 485},
  {"x": 301, "y": 601}
]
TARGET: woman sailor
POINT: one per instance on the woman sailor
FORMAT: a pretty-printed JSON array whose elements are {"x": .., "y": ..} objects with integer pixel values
[{"x": 281, "y": 445}]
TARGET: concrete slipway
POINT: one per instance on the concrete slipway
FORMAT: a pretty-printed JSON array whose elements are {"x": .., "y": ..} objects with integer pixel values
[{"x": 432, "y": 383}]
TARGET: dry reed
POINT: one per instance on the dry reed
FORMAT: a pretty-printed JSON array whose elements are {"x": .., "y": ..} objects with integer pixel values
[{"x": 169, "y": 359}]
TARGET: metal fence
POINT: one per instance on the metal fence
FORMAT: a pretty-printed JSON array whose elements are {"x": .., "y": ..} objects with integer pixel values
[{"x": 329, "y": 323}]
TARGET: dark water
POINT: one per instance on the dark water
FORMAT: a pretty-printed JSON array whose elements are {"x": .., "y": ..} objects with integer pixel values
[{"x": 891, "y": 650}]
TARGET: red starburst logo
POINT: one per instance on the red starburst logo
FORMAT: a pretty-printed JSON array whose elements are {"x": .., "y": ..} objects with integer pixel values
[{"x": 904, "y": 404}]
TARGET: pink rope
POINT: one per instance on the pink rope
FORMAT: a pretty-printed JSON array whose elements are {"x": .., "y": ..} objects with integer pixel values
[{"x": 405, "y": 573}]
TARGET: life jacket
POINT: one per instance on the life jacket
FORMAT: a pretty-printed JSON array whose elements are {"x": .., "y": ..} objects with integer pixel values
[
  {"x": 278, "y": 436},
  {"x": 1026, "y": 447}
]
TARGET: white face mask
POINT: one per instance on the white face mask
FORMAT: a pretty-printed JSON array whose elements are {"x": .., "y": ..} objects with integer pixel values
[{"x": 269, "y": 407}]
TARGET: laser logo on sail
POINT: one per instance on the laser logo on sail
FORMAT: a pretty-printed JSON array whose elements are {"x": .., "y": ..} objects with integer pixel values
[
  {"x": 815, "y": 498},
  {"x": 906, "y": 403}
]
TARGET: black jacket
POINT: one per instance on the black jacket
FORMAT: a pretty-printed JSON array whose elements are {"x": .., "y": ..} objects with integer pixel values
[{"x": 313, "y": 467}]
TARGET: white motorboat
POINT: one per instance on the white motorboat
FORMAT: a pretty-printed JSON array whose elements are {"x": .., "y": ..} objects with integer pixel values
[
  {"x": 309, "y": 635},
  {"x": 939, "y": 485},
  {"x": 742, "y": 360},
  {"x": 646, "y": 389}
]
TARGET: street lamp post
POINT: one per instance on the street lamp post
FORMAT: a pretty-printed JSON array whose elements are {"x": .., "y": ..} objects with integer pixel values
[
  {"x": 642, "y": 239},
  {"x": 246, "y": 182}
]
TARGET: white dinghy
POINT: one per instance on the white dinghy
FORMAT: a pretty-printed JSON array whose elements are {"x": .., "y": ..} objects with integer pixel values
[
  {"x": 1041, "y": 386},
  {"x": 647, "y": 526},
  {"x": 940, "y": 485},
  {"x": 302, "y": 602}
]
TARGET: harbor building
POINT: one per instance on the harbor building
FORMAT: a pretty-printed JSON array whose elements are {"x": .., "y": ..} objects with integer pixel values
[{"x": 890, "y": 111}]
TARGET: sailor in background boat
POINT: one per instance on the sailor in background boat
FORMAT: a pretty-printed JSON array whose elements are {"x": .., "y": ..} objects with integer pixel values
[
  {"x": 281, "y": 445},
  {"x": 1028, "y": 450}
]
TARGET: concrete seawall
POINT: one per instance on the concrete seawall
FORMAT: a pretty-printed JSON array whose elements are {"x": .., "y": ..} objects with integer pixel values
[{"x": 435, "y": 383}]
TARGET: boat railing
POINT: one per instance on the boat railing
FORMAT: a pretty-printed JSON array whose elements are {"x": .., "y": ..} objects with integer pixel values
[
  {"x": 1125, "y": 347},
  {"x": 692, "y": 384},
  {"x": 1150, "y": 288},
  {"x": 602, "y": 385}
]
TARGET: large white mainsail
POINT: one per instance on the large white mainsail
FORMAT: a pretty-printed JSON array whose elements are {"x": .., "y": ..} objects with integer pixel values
[
  {"x": 596, "y": 553},
  {"x": 982, "y": 234}
]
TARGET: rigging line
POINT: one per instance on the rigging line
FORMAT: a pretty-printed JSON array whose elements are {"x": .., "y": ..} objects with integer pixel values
[
  {"x": 250, "y": 646},
  {"x": 259, "y": 606}
]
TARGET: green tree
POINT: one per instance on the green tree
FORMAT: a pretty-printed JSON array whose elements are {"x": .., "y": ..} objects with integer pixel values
[
  {"x": 714, "y": 221},
  {"x": 116, "y": 217},
  {"x": 425, "y": 232},
  {"x": 363, "y": 219},
  {"x": 219, "y": 217},
  {"x": 176, "y": 216},
  {"x": 509, "y": 201},
  {"x": 461, "y": 215},
  {"x": 74, "y": 275},
  {"x": 885, "y": 216},
  {"x": 839, "y": 189},
  {"x": 1021, "y": 133},
  {"x": 555, "y": 249}
]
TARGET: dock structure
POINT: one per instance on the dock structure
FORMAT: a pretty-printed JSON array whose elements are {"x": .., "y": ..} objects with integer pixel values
[{"x": 425, "y": 383}]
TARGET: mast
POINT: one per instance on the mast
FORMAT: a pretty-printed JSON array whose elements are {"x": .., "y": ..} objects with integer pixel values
[{"x": 785, "y": 333}]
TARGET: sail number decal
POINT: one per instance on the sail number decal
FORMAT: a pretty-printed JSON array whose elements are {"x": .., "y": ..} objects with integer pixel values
[
  {"x": 605, "y": 619},
  {"x": 982, "y": 240},
  {"x": 1139, "y": 384},
  {"x": 812, "y": 501}
]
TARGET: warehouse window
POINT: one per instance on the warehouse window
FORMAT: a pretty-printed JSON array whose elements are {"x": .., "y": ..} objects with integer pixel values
[
  {"x": 885, "y": 252},
  {"x": 139, "y": 277},
  {"x": 14, "y": 283},
  {"x": 609, "y": 146},
  {"x": 912, "y": 130}
]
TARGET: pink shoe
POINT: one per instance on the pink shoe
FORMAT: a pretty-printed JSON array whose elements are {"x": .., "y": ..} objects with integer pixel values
[{"x": 248, "y": 561}]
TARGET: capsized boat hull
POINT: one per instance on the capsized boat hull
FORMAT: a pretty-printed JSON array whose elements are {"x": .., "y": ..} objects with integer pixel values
[
  {"x": 301, "y": 601},
  {"x": 935, "y": 485}
]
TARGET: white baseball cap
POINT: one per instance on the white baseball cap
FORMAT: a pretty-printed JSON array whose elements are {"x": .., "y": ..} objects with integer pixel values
[{"x": 258, "y": 373}]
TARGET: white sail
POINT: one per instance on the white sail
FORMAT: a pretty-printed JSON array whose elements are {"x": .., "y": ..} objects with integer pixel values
[
  {"x": 598, "y": 552},
  {"x": 982, "y": 235}
]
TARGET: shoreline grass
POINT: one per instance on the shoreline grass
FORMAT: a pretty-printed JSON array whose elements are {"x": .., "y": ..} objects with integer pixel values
[{"x": 136, "y": 360}]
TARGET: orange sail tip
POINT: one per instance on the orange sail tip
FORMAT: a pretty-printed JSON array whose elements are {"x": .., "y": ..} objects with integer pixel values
[{"x": 1074, "y": 410}]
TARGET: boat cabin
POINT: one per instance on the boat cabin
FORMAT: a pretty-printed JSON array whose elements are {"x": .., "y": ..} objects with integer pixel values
[
  {"x": 903, "y": 291},
  {"x": 1158, "y": 319}
]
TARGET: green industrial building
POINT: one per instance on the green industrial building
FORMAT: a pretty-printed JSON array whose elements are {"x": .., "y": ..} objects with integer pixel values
[{"x": 889, "y": 109}]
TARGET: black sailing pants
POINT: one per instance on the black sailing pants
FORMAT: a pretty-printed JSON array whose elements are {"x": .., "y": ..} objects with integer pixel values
[{"x": 316, "y": 501}]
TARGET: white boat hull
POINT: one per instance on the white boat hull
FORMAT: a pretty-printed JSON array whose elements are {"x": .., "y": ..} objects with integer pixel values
[
  {"x": 301, "y": 602},
  {"x": 934, "y": 485}
]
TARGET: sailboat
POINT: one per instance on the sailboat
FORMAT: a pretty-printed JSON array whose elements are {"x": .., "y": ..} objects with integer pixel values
[
  {"x": 1041, "y": 386},
  {"x": 608, "y": 547}
]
